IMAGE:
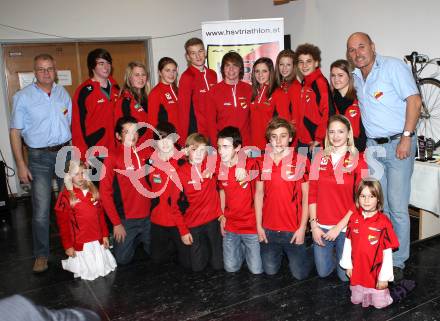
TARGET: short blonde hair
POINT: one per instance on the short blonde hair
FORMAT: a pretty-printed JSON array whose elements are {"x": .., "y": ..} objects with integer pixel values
[
  {"x": 196, "y": 139},
  {"x": 375, "y": 189},
  {"x": 72, "y": 168}
]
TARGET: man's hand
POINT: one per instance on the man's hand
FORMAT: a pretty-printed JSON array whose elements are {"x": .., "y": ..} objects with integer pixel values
[
  {"x": 119, "y": 233},
  {"x": 403, "y": 149},
  {"x": 24, "y": 174},
  {"x": 349, "y": 272},
  {"x": 187, "y": 239}
]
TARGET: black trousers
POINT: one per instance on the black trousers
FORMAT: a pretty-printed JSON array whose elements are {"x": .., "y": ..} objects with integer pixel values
[
  {"x": 166, "y": 245},
  {"x": 207, "y": 246}
]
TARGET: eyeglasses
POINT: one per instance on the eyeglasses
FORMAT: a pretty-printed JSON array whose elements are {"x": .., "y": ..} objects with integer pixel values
[{"x": 44, "y": 70}]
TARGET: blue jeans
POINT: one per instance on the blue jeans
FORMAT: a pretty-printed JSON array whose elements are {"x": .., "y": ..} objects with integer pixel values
[
  {"x": 238, "y": 246},
  {"x": 138, "y": 231},
  {"x": 42, "y": 168},
  {"x": 299, "y": 256},
  {"x": 327, "y": 257},
  {"x": 396, "y": 185}
]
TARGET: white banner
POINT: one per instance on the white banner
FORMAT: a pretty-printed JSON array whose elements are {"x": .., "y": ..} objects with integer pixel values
[{"x": 252, "y": 39}]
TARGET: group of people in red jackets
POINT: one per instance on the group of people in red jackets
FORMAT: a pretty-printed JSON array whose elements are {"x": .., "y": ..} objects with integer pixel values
[{"x": 261, "y": 164}]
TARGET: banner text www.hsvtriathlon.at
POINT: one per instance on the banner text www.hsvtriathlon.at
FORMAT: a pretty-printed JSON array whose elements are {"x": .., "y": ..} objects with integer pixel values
[{"x": 250, "y": 31}]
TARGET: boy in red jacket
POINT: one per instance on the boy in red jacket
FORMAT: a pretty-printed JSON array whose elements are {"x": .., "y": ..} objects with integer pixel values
[
  {"x": 93, "y": 105},
  {"x": 311, "y": 99},
  {"x": 199, "y": 203},
  {"x": 122, "y": 190},
  {"x": 194, "y": 85}
]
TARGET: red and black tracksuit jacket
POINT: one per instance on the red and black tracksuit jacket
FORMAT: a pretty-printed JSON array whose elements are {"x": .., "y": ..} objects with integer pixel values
[
  {"x": 163, "y": 105},
  {"x": 92, "y": 116},
  {"x": 262, "y": 111},
  {"x": 122, "y": 185},
  {"x": 82, "y": 223},
  {"x": 199, "y": 201},
  {"x": 281, "y": 101},
  {"x": 312, "y": 105},
  {"x": 194, "y": 85},
  {"x": 163, "y": 181},
  {"x": 127, "y": 105},
  {"x": 229, "y": 105},
  {"x": 350, "y": 109}
]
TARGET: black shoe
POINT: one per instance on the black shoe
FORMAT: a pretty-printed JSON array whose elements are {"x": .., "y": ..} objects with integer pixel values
[
  {"x": 398, "y": 274},
  {"x": 400, "y": 290}
]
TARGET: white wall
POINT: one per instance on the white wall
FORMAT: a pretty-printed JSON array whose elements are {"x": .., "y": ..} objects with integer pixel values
[
  {"x": 396, "y": 26},
  {"x": 99, "y": 19}
]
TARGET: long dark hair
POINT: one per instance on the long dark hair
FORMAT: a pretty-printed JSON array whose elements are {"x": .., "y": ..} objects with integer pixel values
[
  {"x": 345, "y": 66},
  {"x": 255, "y": 85},
  {"x": 161, "y": 65}
]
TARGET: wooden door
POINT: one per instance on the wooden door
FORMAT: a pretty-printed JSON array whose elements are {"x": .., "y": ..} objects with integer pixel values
[
  {"x": 122, "y": 53},
  {"x": 71, "y": 57},
  {"x": 19, "y": 58}
]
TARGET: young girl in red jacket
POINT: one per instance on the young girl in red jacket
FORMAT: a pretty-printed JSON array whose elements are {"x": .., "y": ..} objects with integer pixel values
[
  {"x": 345, "y": 100},
  {"x": 262, "y": 109},
  {"x": 333, "y": 179},
  {"x": 163, "y": 99},
  {"x": 370, "y": 240},
  {"x": 83, "y": 229},
  {"x": 284, "y": 77},
  {"x": 133, "y": 98}
]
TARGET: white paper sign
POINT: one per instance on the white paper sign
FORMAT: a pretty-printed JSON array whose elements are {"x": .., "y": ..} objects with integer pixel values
[
  {"x": 64, "y": 77},
  {"x": 25, "y": 78}
]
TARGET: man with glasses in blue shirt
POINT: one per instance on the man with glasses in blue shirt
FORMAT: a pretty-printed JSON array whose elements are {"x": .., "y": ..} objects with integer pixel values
[
  {"x": 41, "y": 115},
  {"x": 390, "y": 107}
]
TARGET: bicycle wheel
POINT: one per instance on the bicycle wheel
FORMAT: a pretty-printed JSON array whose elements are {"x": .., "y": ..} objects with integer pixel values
[{"x": 429, "y": 122}]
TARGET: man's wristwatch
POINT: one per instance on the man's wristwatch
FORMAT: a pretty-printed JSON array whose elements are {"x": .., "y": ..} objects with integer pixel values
[{"x": 407, "y": 133}]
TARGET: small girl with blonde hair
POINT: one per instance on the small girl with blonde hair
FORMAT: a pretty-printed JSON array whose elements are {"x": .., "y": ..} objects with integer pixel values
[
  {"x": 367, "y": 255},
  {"x": 82, "y": 226}
]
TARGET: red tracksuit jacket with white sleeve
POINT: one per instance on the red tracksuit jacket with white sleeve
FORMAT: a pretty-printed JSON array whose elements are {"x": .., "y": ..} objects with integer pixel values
[{"x": 82, "y": 223}]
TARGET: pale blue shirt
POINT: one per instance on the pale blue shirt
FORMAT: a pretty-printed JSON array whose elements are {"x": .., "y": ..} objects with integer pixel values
[
  {"x": 43, "y": 120},
  {"x": 382, "y": 96}
]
